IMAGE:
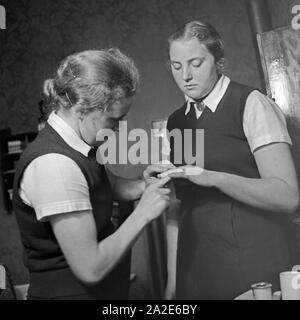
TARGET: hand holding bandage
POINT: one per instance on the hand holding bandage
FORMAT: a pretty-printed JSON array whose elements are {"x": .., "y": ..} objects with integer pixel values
[
  {"x": 194, "y": 174},
  {"x": 152, "y": 172},
  {"x": 181, "y": 172}
]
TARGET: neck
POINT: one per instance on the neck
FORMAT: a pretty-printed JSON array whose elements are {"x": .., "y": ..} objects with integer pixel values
[
  {"x": 71, "y": 119},
  {"x": 211, "y": 89}
]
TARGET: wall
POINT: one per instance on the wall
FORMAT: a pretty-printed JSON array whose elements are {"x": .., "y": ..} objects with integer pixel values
[
  {"x": 282, "y": 17},
  {"x": 40, "y": 33},
  {"x": 281, "y": 12}
]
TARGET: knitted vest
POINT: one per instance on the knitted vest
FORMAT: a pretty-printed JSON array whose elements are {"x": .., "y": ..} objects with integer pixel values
[
  {"x": 225, "y": 145},
  {"x": 50, "y": 274}
]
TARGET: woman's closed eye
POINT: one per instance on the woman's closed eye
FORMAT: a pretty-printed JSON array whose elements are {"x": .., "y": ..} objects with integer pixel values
[
  {"x": 176, "y": 65},
  {"x": 196, "y": 62}
]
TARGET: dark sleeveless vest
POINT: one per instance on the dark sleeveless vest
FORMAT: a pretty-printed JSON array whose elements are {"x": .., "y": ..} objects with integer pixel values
[
  {"x": 224, "y": 245},
  {"x": 225, "y": 145},
  {"x": 50, "y": 275}
]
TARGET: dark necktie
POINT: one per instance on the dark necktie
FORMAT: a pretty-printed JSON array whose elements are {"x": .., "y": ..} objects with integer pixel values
[
  {"x": 92, "y": 153},
  {"x": 200, "y": 105}
]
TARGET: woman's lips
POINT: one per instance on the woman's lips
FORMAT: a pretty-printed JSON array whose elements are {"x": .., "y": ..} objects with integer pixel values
[{"x": 190, "y": 86}]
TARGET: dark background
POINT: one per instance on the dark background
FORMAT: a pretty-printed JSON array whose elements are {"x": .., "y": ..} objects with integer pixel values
[{"x": 41, "y": 32}]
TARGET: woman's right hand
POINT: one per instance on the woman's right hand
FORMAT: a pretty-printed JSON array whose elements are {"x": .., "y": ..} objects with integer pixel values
[{"x": 155, "y": 199}]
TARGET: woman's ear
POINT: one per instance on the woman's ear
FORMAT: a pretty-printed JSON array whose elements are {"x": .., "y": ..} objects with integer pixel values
[
  {"x": 80, "y": 114},
  {"x": 221, "y": 65}
]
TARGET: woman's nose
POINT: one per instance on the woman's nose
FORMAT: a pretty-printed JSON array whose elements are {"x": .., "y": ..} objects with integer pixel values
[{"x": 186, "y": 74}]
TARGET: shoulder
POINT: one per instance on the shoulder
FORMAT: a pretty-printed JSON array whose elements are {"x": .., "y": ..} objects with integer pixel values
[
  {"x": 52, "y": 165},
  {"x": 256, "y": 94},
  {"x": 264, "y": 122},
  {"x": 259, "y": 102},
  {"x": 261, "y": 109},
  {"x": 242, "y": 86},
  {"x": 52, "y": 184},
  {"x": 53, "y": 160},
  {"x": 259, "y": 96},
  {"x": 242, "y": 90}
]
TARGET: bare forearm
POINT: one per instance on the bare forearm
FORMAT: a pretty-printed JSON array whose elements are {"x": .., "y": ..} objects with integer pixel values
[
  {"x": 269, "y": 193},
  {"x": 91, "y": 260},
  {"x": 114, "y": 247},
  {"x": 111, "y": 250}
]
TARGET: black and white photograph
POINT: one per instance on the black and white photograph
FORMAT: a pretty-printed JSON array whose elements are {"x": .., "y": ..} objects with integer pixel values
[{"x": 149, "y": 152}]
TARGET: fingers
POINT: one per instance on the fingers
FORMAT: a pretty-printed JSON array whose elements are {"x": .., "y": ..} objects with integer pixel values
[
  {"x": 182, "y": 172},
  {"x": 161, "y": 182},
  {"x": 151, "y": 180},
  {"x": 165, "y": 166},
  {"x": 176, "y": 175},
  {"x": 168, "y": 172},
  {"x": 166, "y": 198},
  {"x": 165, "y": 191},
  {"x": 157, "y": 168}
]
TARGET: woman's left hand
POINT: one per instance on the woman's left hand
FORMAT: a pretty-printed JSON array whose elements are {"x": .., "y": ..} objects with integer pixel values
[
  {"x": 195, "y": 174},
  {"x": 152, "y": 171}
]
